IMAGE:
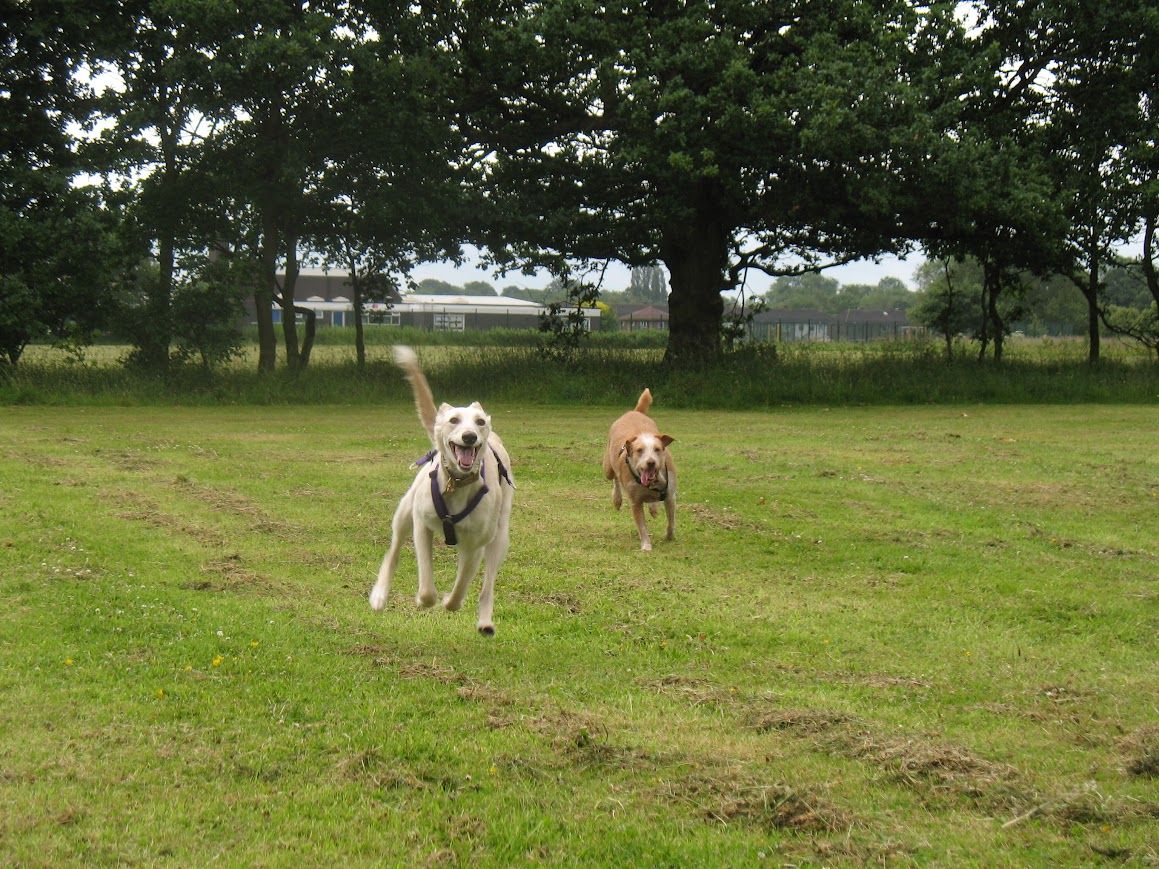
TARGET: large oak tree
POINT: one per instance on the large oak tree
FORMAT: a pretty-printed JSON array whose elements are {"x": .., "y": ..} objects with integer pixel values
[{"x": 714, "y": 137}]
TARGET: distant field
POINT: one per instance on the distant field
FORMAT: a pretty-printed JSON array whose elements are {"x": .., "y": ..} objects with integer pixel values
[{"x": 889, "y": 634}]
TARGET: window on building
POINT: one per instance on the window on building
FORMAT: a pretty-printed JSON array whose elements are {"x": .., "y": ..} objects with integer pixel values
[
  {"x": 449, "y": 322},
  {"x": 380, "y": 318}
]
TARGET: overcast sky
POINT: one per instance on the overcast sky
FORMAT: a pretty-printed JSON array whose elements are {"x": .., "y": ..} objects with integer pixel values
[{"x": 618, "y": 276}]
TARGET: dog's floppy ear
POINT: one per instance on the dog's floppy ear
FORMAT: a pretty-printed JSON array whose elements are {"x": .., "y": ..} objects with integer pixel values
[
  {"x": 476, "y": 405},
  {"x": 666, "y": 439},
  {"x": 443, "y": 408},
  {"x": 627, "y": 447}
]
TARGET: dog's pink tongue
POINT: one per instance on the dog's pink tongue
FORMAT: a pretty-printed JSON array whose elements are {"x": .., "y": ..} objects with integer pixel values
[
  {"x": 646, "y": 477},
  {"x": 465, "y": 455}
]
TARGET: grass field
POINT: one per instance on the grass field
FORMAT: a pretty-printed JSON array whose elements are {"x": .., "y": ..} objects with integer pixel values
[{"x": 882, "y": 635}]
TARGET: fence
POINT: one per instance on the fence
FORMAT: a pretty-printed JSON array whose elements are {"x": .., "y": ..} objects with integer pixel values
[{"x": 833, "y": 330}]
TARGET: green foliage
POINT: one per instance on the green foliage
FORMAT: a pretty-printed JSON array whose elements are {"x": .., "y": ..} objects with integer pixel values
[
  {"x": 564, "y": 326},
  {"x": 59, "y": 257},
  {"x": 647, "y": 286},
  {"x": 206, "y": 311},
  {"x": 949, "y": 300},
  {"x": 1139, "y": 325},
  {"x": 784, "y": 134}
]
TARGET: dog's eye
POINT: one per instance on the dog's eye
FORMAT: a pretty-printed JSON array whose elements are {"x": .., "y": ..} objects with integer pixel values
[
  {"x": 479, "y": 421},
  {"x": 455, "y": 420}
]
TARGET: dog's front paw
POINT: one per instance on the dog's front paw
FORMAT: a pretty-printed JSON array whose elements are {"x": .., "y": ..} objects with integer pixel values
[
  {"x": 425, "y": 600},
  {"x": 450, "y": 604},
  {"x": 645, "y": 547},
  {"x": 486, "y": 629},
  {"x": 377, "y": 599}
]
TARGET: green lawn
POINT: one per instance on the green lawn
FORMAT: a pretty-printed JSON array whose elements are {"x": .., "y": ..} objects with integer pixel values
[{"x": 919, "y": 634}]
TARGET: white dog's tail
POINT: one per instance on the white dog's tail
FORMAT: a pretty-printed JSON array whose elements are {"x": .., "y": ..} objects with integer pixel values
[
  {"x": 645, "y": 401},
  {"x": 408, "y": 361}
]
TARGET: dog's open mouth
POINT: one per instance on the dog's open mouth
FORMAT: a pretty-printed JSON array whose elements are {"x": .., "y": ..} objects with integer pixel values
[
  {"x": 465, "y": 456},
  {"x": 647, "y": 476}
]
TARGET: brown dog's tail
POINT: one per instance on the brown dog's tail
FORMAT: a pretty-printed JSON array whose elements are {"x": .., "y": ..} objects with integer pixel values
[
  {"x": 645, "y": 401},
  {"x": 408, "y": 361}
]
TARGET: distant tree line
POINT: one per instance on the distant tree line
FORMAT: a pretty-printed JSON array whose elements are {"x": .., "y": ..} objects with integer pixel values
[{"x": 158, "y": 160}]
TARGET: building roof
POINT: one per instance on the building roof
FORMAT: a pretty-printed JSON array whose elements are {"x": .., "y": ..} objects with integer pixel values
[
  {"x": 440, "y": 300},
  {"x": 646, "y": 313}
]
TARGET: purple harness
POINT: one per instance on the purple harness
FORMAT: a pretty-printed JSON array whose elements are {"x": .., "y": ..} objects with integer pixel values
[{"x": 450, "y": 520}]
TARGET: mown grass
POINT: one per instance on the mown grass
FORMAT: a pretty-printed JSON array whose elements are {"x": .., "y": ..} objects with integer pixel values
[
  {"x": 1036, "y": 371},
  {"x": 904, "y": 634}
]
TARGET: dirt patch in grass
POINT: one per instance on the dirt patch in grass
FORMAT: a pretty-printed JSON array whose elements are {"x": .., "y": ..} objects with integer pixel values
[
  {"x": 386, "y": 773},
  {"x": 738, "y": 797},
  {"x": 933, "y": 767},
  {"x": 849, "y": 677},
  {"x": 238, "y": 505},
  {"x": 125, "y": 460},
  {"x": 138, "y": 508},
  {"x": 723, "y": 518},
  {"x": 797, "y": 721},
  {"x": 923, "y": 764},
  {"x": 696, "y": 691},
  {"x": 497, "y": 703},
  {"x": 230, "y": 574},
  {"x": 1142, "y": 752}
]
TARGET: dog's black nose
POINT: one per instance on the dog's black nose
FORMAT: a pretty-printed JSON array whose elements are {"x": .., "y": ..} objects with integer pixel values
[{"x": 469, "y": 438}]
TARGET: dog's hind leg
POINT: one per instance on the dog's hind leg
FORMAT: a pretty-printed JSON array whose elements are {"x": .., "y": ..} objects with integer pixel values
[
  {"x": 670, "y": 509},
  {"x": 399, "y": 530},
  {"x": 617, "y": 495},
  {"x": 425, "y": 556},
  {"x": 468, "y": 566}
]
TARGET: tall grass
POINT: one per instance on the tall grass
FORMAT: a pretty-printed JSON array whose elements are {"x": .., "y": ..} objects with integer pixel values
[{"x": 754, "y": 376}]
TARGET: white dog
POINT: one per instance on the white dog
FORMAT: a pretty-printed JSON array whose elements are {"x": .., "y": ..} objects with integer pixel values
[{"x": 463, "y": 491}]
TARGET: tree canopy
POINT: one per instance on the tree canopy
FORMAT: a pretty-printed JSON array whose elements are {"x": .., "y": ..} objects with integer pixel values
[
  {"x": 696, "y": 142},
  {"x": 711, "y": 137}
]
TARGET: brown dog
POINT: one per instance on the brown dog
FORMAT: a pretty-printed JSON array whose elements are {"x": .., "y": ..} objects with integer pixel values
[{"x": 637, "y": 462}]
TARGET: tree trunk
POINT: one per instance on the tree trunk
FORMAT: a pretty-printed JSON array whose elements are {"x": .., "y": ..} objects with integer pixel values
[
  {"x": 289, "y": 311},
  {"x": 1091, "y": 291},
  {"x": 310, "y": 318},
  {"x": 984, "y": 325},
  {"x": 359, "y": 329},
  {"x": 1092, "y": 294},
  {"x": 264, "y": 294},
  {"x": 994, "y": 279},
  {"x": 159, "y": 330},
  {"x": 1148, "y": 256},
  {"x": 696, "y": 254}
]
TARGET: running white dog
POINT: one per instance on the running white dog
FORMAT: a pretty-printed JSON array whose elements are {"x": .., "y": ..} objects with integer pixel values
[{"x": 465, "y": 495}]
